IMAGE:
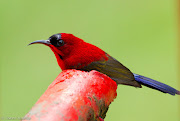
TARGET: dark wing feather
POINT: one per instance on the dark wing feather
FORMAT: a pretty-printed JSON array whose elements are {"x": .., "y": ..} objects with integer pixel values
[{"x": 115, "y": 70}]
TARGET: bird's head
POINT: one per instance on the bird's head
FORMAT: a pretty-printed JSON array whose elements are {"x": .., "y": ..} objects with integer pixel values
[{"x": 71, "y": 51}]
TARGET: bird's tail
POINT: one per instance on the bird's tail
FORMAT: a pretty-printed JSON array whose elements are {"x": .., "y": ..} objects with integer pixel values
[{"x": 155, "y": 85}]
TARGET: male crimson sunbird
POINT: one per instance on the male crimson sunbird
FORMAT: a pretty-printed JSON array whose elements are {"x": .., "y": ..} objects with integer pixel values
[{"x": 73, "y": 53}]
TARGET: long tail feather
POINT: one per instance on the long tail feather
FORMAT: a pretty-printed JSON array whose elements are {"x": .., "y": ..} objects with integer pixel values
[{"x": 155, "y": 85}]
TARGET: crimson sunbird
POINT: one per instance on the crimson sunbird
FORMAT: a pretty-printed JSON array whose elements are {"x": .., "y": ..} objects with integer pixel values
[{"x": 73, "y": 53}]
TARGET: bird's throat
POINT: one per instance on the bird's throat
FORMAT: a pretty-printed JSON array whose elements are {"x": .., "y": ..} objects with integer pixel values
[{"x": 59, "y": 56}]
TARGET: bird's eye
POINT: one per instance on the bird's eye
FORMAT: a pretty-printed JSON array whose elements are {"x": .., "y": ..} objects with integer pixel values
[
  {"x": 60, "y": 42},
  {"x": 56, "y": 41}
]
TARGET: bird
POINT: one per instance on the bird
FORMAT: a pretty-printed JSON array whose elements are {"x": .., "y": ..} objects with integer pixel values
[{"x": 73, "y": 52}]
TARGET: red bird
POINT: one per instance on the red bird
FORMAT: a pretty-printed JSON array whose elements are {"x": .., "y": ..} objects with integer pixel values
[{"x": 73, "y": 53}]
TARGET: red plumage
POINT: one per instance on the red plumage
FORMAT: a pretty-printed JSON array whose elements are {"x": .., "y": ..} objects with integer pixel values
[
  {"x": 74, "y": 53},
  {"x": 77, "y": 53}
]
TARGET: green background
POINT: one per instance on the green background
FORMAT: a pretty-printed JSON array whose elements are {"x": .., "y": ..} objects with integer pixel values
[{"x": 142, "y": 34}]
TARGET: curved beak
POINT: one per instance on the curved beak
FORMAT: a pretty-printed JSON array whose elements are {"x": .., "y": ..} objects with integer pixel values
[
  {"x": 59, "y": 55},
  {"x": 46, "y": 42}
]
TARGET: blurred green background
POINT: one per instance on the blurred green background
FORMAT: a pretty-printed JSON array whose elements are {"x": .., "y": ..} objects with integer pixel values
[{"x": 142, "y": 34}]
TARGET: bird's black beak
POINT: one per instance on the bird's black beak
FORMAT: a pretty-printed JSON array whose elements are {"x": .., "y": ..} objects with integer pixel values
[
  {"x": 46, "y": 42},
  {"x": 57, "y": 52}
]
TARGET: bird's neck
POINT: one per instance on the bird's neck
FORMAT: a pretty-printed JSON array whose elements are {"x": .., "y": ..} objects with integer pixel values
[{"x": 84, "y": 55}]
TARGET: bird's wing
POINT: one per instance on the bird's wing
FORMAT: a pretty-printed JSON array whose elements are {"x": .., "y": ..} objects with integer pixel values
[{"x": 115, "y": 70}]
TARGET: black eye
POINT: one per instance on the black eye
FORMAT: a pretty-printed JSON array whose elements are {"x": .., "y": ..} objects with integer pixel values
[
  {"x": 56, "y": 40},
  {"x": 60, "y": 42}
]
